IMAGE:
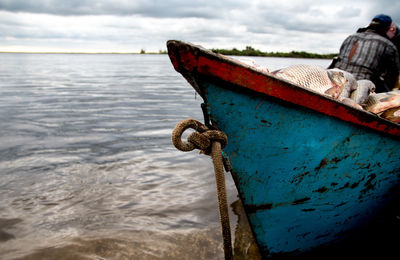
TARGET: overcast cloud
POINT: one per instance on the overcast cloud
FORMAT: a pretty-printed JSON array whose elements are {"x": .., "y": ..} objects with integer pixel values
[{"x": 132, "y": 25}]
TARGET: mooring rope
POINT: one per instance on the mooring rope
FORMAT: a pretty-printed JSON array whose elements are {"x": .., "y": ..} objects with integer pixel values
[{"x": 210, "y": 142}]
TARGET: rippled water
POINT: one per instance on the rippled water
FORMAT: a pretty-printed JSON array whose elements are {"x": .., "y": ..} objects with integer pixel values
[{"x": 87, "y": 168}]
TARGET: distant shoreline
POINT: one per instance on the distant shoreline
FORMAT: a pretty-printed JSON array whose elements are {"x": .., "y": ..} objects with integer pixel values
[
  {"x": 248, "y": 51},
  {"x": 49, "y": 52}
]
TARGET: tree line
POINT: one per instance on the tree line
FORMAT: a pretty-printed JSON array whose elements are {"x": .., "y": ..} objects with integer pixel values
[{"x": 250, "y": 51}]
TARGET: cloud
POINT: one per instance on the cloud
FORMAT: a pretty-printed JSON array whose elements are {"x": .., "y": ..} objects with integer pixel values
[
  {"x": 131, "y": 25},
  {"x": 149, "y": 8}
]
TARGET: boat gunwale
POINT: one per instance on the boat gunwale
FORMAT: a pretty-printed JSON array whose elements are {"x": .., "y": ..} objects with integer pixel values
[{"x": 192, "y": 61}]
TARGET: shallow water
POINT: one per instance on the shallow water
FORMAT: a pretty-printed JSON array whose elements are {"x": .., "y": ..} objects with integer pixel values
[{"x": 87, "y": 168}]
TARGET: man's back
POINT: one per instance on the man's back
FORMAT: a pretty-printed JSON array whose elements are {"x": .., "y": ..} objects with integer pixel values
[{"x": 368, "y": 55}]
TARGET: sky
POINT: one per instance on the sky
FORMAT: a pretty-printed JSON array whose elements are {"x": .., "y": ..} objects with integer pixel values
[{"x": 135, "y": 25}]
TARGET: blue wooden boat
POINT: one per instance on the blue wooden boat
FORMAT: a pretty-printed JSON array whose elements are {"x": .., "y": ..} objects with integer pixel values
[{"x": 310, "y": 170}]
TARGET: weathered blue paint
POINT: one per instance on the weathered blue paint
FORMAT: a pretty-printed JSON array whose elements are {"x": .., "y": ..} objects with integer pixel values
[
  {"x": 305, "y": 179},
  {"x": 309, "y": 170}
]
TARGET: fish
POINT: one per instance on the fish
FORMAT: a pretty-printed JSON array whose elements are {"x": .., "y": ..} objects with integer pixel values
[
  {"x": 351, "y": 84},
  {"x": 315, "y": 78},
  {"x": 247, "y": 62},
  {"x": 392, "y": 114},
  {"x": 379, "y": 102},
  {"x": 364, "y": 88},
  {"x": 350, "y": 102}
]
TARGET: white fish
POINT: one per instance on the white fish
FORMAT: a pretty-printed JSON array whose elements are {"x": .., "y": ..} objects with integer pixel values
[
  {"x": 379, "y": 102},
  {"x": 252, "y": 64},
  {"x": 392, "y": 114},
  {"x": 364, "y": 88},
  {"x": 350, "y": 102},
  {"x": 349, "y": 86},
  {"x": 316, "y": 78}
]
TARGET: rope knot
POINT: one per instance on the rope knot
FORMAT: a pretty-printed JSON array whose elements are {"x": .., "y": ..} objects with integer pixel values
[
  {"x": 201, "y": 139},
  {"x": 211, "y": 143}
]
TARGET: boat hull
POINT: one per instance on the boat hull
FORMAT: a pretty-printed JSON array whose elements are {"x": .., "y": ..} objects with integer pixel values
[{"x": 307, "y": 179}]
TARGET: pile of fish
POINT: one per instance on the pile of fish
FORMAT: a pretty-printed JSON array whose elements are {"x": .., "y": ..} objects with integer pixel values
[
  {"x": 342, "y": 86},
  {"x": 386, "y": 105}
]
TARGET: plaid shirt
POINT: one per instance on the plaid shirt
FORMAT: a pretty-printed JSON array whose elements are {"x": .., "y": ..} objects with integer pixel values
[{"x": 368, "y": 55}]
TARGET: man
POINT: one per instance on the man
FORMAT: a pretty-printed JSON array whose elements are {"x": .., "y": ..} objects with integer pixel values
[
  {"x": 396, "y": 42},
  {"x": 370, "y": 54}
]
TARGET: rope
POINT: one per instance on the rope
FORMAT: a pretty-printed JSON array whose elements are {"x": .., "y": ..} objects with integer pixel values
[{"x": 210, "y": 142}]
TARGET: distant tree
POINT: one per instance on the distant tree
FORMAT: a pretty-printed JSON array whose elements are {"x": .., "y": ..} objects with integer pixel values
[
  {"x": 142, "y": 51},
  {"x": 250, "y": 51}
]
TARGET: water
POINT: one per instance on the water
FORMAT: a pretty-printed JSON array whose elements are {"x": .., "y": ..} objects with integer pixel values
[{"x": 87, "y": 168}]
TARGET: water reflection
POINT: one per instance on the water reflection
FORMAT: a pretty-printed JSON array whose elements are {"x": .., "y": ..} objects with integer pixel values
[
  {"x": 87, "y": 167},
  {"x": 190, "y": 244},
  {"x": 7, "y": 224},
  {"x": 245, "y": 246},
  {"x": 143, "y": 245}
]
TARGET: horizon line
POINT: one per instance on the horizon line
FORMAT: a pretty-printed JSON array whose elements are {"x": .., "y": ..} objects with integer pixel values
[{"x": 78, "y": 52}]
